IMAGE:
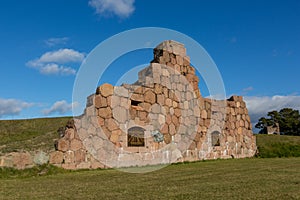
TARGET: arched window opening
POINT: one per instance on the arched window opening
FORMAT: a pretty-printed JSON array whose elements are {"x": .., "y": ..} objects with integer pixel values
[
  {"x": 215, "y": 138},
  {"x": 136, "y": 137}
]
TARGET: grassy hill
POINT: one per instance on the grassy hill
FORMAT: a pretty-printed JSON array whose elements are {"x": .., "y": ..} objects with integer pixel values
[
  {"x": 29, "y": 134},
  {"x": 271, "y": 146}
]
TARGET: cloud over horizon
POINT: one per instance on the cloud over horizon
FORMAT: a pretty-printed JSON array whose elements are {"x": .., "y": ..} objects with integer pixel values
[
  {"x": 56, "y": 41},
  {"x": 260, "y": 106},
  {"x": 120, "y": 8},
  {"x": 60, "y": 107},
  {"x": 50, "y": 63},
  {"x": 12, "y": 107}
]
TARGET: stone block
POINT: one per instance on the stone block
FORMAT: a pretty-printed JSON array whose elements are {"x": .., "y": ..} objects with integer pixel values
[
  {"x": 83, "y": 165},
  {"x": 105, "y": 90},
  {"x": 83, "y": 133},
  {"x": 115, "y": 136},
  {"x": 69, "y": 157},
  {"x": 97, "y": 165},
  {"x": 177, "y": 112},
  {"x": 155, "y": 108},
  {"x": 6, "y": 161},
  {"x": 172, "y": 129},
  {"x": 165, "y": 129},
  {"x": 167, "y": 138},
  {"x": 91, "y": 130},
  {"x": 175, "y": 120},
  {"x": 137, "y": 97},
  {"x": 161, "y": 119},
  {"x": 22, "y": 160},
  {"x": 242, "y": 123},
  {"x": 203, "y": 114},
  {"x": 160, "y": 99},
  {"x": 69, "y": 166},
  {"x": 166, "y": 56},
  {"x": 114, "y": 101},
  {"x": 75, "y": 145},
  {"x": 111, "y": 124},
  {"x": 121, "y": 92},
  {"x": 207, "y": 122},
  {"x": 90, "y": 111},
  {"x": 100, "y": 121},
  {"x": 105, "y": 112},
  {"x": 234, "y": 98},
  {"x": 150, "y": 97},
  {"x": 157, "y": 88},
  {"x": 168, "y": 119},
  {"x": 41, "y": 158},
  {"x": 120, "y": 114},
  {"x": 90, "y": 100},
  {"x": 142, "y": 115},
  {"x": 80, "y": 156},
  {"x": 240, "y": 130},
  {"x": 100, "y": 101},
  {"x": 63, "y": 145},
  {"x": 69, "y": 134},
  {"x": 56, "y": 157},
  {"x": 168, "y": 102},
  {"x": 179, "y": 60}
]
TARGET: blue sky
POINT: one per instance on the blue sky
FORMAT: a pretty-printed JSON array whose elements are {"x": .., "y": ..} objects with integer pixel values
[{"x": 255, "y": 44}]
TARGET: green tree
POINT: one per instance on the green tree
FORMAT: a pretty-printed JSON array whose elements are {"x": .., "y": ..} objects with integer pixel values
[{"x": 287, "y": 118}]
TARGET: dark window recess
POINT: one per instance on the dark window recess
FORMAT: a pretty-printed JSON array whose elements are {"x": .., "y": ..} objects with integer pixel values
[
  {"x": 214, "y": 112},
  {"x": 135, "y": 103},
  {"x": 136, "y": 137},
  {"x": 215, "y": 138}
]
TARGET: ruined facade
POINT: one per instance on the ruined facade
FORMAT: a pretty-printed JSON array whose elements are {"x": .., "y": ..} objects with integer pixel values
[
  {"x": 273, "y": 129},
  {"x": 161, "y": 118}
]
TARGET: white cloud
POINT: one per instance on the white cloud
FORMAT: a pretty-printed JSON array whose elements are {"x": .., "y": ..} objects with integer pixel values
[
  {"x": 121, "y": 8},
  {"x": 53, "y": 68},
  {"x": 9, "y": 107},
  {"x": 250, "y": 88},
  {"x": 50, "y": 62},
  {"x": 260, "y": 106},
  {"x": 56, "y": 41},
  {"x": 61, "y": 56},
  {"x": 60, "y": 107}
]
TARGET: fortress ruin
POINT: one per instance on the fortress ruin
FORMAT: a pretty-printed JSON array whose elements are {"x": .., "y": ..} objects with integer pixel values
[{"x": 161, "y": 118}]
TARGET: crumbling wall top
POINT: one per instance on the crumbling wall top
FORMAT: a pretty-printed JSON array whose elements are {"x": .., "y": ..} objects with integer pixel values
[{"x": 172, "y": 46}]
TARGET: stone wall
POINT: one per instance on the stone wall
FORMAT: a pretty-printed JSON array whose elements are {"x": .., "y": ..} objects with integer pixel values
[
  {"x": 172, "y": 122},
  {"x": 22, "y": 160},
  {"x": 273, "y": 129}
]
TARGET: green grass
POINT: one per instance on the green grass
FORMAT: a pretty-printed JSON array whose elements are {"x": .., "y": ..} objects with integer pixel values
[
  {"x": 271, "y": 146},
  {"x": 29, "y": 134},
  {"x": 275, "y": 178},
  {"x": 257, "y": 178},
  {"x": 41, "y": 170}
]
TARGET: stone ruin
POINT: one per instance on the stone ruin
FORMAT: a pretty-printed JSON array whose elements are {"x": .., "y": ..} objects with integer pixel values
[
  {"x": 273, "y": 129},
  {"x": 161, "y": 118}
]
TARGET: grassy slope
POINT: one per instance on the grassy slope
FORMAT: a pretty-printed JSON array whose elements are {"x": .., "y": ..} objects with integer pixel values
[
  {"x": 271, "y": 146},
  {"x": 31, "y": 134},
  {"x": 220, "y": 179}
]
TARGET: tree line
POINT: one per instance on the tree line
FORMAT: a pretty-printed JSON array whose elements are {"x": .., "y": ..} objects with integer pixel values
[{"x": 287, "y": 118}]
